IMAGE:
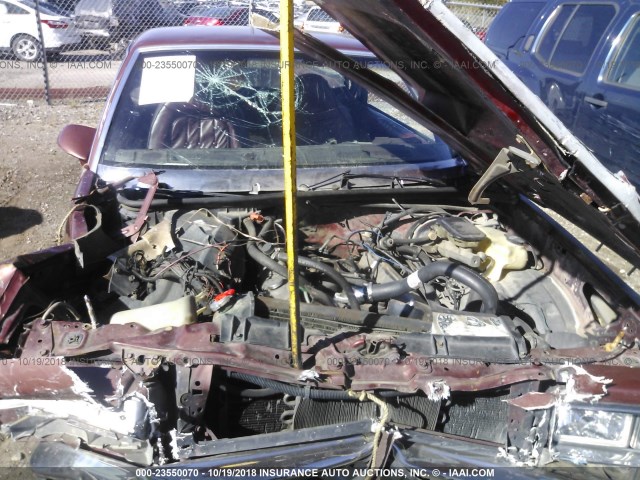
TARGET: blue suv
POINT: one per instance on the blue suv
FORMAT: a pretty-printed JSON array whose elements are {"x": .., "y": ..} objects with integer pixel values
[{"x": 582, "y": 58}]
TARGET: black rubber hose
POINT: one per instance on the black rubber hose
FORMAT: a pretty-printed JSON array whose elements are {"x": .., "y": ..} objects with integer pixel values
[
  {"x": 396, "y": 217},
  {"x": 248, "y": 392},
  {"x": 267, "y": 262},
  {"x": 427, "y": 273},
  {"x": 408, "y": 250},
  {"x": 254, "y": 252},
  {"x": 331, "y": 273},
  {"x": 313, "y": 393},
  {"x": 410, "y": 211},
  {"x": 287, "y": 389},
  {"x": 358, "y": 282},
  {"x": 266, "y": 227},
  {"x": 421, "y": 221},
  {"x": 414, "y": 253},
  {"x": 409, "y": 241}
]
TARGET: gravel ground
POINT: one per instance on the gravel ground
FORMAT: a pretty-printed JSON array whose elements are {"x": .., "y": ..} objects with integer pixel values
[
  {"x": 37, "y": 181},
  {"x": 14, "y": 459}
]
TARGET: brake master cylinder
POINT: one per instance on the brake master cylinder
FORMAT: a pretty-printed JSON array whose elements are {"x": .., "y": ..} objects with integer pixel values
[{"x": 480, "y": 247}]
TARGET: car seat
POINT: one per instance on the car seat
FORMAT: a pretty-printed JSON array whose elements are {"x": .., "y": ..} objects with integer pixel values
[
  {"x": 188, "y": 125},
  {"x": 320, "y": 118}
]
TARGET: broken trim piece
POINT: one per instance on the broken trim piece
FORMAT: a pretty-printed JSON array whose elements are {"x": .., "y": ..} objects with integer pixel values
[
  {"x": 133, "y": 230},
  {"x": 509, "y": 160}
]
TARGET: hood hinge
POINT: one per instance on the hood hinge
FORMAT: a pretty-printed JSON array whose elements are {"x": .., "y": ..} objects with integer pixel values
[{"x": 509, "y": 160}]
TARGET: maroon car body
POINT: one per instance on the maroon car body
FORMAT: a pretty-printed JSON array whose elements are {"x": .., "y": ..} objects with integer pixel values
[{"x": 446, "y": 320}]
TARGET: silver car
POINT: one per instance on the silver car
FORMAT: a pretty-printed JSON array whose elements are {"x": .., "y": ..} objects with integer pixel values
[{"x": 317, "y": 20}]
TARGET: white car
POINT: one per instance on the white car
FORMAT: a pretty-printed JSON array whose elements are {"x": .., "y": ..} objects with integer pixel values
[
  {"x": 317, "y": 20},
  {"x": 19, "y": 29}
]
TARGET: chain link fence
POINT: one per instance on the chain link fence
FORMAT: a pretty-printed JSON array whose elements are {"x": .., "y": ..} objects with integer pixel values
[
  {"x": 57, "y": 50},
  {"x": 476, "y": 16}
]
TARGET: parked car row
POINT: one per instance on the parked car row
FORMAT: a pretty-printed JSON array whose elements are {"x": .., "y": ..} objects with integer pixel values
[
  {"x": 19, "y": 29},
  {"x": 112, "y": 24},
  {"x": 582, "y": 58},
  {"x": 216, "y": 16}
]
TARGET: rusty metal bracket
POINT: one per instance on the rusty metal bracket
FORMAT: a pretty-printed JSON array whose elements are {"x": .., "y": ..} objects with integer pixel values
[{"x": 133, "y": 230}]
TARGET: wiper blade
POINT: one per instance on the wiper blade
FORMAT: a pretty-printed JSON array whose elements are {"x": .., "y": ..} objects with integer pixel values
[
  {"x": 133, "y": 192},
  {"x": 396, "y": 181},
  {"x": 402, "y": 181},
  {"x": 170, "y": 193}
]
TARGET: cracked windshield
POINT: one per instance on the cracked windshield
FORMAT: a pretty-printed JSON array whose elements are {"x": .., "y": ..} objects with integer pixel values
[{"x": 218, "y": 104}]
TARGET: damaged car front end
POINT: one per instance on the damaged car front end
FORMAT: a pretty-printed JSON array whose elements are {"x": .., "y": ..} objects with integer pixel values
[{"x": 446, "y": 319}]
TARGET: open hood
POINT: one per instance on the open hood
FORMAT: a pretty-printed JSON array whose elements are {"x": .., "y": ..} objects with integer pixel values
[{"x": 475, "y": 103}]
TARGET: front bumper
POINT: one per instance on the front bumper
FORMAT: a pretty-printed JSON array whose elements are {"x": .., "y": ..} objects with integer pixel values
[{"x": 332, "y": 451}]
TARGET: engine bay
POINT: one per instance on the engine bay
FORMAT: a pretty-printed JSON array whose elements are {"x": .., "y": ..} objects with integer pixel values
[
  {"x": 432, "y": 265},
  {"x": 435, "y": 308}
]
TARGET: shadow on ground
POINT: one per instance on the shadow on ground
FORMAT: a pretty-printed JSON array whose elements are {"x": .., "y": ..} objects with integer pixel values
[{"x": 14, "y": 220}]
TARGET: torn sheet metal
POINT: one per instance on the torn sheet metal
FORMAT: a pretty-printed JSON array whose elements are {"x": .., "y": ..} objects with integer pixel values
[
  {"x": 126, "y": 421},
  {"x": 40, "y": 378},
  {"x": 437, "y": 390},
  {"x": 77, "y": 431},
  {"x": 581, "y": 386},
  {"x": 533, "y": 401},
  {"x": 78, "y": 418},
  {"x": 309, "y": 375}
]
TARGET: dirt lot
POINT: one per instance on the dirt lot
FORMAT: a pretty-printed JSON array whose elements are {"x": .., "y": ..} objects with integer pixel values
[{"x": 37, "y": 179}]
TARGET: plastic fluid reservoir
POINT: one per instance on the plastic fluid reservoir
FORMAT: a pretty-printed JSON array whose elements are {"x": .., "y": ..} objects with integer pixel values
[
  {"x": 502, "y": 253},
  {"x": 170, "y": 314}
]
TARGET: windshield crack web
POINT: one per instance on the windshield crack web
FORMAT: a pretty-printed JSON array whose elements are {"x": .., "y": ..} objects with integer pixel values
[{"x": 238, "y": 93}]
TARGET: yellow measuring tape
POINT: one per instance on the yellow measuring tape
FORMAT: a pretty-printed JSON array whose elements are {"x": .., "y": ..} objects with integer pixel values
[{"x": 290, "y": 182}]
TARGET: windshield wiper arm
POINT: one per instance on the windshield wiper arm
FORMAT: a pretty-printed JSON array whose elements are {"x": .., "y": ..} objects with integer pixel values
[
  {"x": 327, "y": 181},
  {"x": 401, "y": 181},
  {"x": 167, "y": 192},
  {"x": 397, "y": 181}
]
